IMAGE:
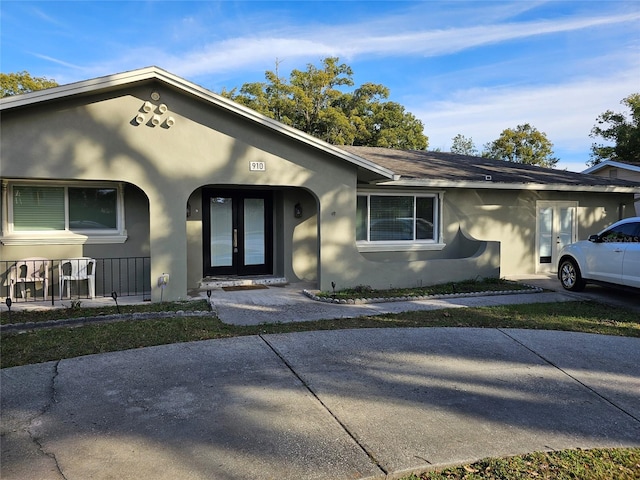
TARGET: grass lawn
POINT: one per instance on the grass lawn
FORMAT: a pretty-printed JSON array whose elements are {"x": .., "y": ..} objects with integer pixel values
[
  {"x": 41, "y": 345},
  {"x": 596, "y": 464}
]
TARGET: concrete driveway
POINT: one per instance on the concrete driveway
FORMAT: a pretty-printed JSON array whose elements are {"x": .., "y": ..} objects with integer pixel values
[
  {"x": 627, "y": 299},
  {"x": 352, "y": 404}
]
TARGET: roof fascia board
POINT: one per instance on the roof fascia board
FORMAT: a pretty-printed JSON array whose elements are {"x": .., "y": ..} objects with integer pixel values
[
  {"x": 611, "y": 163},
  {"x": 155, "y": 73},
  {"x": 488, "y": 185}
]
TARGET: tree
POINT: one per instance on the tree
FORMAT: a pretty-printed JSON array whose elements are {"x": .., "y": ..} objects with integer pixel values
[
  {"x": 22, "y": 82},
  {"x": 315, "y": 101},
  {"x": 525, "y": 144},
  {"x": 463, "y": 145},
  {"x": 620, "y": 129}
]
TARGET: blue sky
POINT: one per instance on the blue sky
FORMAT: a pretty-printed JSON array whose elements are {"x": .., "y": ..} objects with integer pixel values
[{"x": 473, "y": 68}]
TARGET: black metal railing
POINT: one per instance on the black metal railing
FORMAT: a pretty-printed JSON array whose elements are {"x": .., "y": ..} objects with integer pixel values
[{"x": 43, "y": 279}]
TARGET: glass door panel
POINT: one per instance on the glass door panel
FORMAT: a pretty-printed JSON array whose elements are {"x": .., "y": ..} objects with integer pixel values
[
  {"x": 565, "y": 227},
  {"x": 221, "y": 232},
  {"x": 545, "y": 234},
  {"x": 254, "y": 231}
]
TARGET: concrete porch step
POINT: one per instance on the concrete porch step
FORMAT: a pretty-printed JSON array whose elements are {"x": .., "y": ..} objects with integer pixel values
[{"x": 210, "y": 283}]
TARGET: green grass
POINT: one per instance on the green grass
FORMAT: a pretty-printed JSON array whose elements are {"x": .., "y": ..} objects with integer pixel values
[
  {"x": 41, "y": 345},
  {"x": 467, "y": 286},
  {"x": 596, "y": 464},
  {"x": 76, "y": 310}
]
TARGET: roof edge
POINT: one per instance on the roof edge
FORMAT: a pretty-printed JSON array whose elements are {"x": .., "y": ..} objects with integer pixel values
[
  {"x": 612, "y": 163},
  {"x": 156, "y": 73},
  {"x": 509, "y": 186}
]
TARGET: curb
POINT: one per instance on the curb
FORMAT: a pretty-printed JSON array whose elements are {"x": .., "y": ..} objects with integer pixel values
[{"x": 313, "y": 295}]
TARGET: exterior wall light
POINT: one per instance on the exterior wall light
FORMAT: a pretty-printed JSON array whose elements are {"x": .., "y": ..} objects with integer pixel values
[
  {"x": 297, "y": 210},
  {"x": 155, "y": 120},
  {"x": 140, "y": 119},
  {"x": 147, "y": 107},
  {"x": 171, "y": 122},
  {"x": 162, "y": 108}
]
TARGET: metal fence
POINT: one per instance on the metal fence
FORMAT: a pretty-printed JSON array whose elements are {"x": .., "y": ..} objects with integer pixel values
[{"x": 41, "y": 279}]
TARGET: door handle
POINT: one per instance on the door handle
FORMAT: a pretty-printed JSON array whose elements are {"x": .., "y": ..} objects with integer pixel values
[{"x": 235, "y": 238}]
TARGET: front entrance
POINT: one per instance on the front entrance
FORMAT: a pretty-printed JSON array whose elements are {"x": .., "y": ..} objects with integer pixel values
[
  {"x": 237, "y": 231},
  {"x": 556, "y": 227}
]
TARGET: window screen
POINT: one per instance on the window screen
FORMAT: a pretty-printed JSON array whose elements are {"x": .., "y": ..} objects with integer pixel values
[{"x": 38, "y": 208}]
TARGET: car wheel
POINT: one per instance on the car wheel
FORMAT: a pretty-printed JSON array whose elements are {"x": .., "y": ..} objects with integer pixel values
[{"x": 570, "y": 276}]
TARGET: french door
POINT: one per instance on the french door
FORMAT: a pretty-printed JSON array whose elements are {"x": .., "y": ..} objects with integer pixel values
[
  {"x": 556, "y": 227},
  {"x": 237, "y": 232}
]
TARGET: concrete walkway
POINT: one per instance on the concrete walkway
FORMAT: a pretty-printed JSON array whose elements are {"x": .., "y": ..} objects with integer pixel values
[
  {"x": 348, "y": 404},
  {"x": 289, "y": 304}
]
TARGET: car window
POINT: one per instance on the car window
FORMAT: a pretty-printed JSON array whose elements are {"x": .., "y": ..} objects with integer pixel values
[{"x": 627, "y": 232}]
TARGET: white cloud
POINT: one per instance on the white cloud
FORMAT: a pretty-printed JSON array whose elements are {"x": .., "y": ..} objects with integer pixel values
[
  {"x": 565, "y": 113},
  {"x": 370, "y": 38}
]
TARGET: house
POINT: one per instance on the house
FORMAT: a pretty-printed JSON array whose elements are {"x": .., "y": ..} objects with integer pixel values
[
  {"x": 168, "y": 184},
  {"x": 621, "y": 170}
]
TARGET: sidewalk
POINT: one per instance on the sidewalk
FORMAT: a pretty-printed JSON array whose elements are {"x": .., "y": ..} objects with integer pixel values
[{"x": 289, "y": 304}]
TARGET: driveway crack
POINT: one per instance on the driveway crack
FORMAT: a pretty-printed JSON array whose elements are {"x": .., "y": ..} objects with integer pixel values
[
  {"x": 344, "y": 427},
  {"x": 37, "y": 419}
]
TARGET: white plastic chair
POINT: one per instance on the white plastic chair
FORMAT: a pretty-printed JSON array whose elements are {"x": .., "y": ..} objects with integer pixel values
[
  {"x": 78, "y": 270},
  {"x": 29, "y": 270}
]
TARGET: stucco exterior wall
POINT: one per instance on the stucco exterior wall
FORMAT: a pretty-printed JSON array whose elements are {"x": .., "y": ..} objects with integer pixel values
[
  {"x": 509, "y": 216},
  {"x": 622, "y": 174},
  {"x": 98, "y": 139}
]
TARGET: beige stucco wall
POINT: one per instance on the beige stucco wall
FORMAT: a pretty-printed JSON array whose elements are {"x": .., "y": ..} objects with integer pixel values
[
  {"x": 622, "y": 174},
  {"x": 509, "y": 216},
  {"x": 99, "y": 140}
]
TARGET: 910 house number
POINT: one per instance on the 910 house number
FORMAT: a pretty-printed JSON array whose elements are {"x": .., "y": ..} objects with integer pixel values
[{"x": 257, "y": 166}]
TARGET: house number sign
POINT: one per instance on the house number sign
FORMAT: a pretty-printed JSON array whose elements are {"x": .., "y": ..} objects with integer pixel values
[{"x": 257, "y": 166}]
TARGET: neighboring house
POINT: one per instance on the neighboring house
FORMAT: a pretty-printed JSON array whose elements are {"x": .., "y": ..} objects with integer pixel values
[
  {"x": 623, "y": 171},
  {"x": 146, "y": 167}
]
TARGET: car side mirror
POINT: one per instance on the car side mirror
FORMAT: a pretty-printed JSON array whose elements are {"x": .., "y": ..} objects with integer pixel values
[{"x": 595, "y": 238}]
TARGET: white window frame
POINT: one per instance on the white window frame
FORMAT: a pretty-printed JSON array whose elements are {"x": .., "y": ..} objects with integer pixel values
[
  {"x": 60, "y": 237},
  {"x": 404, "y": 245}
]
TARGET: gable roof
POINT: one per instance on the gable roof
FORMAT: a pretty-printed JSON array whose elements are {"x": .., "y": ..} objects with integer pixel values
[
  {"x": 366, "y": 169},
  {"x": 438, "y": 169},
  {"x": 612, "y": 164}
]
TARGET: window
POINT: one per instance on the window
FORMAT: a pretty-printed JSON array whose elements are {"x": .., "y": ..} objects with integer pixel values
[
  {"x": 77, "y": 211},
  {"x": 396, "y": 219},
  {"x": 625, "y": 233}
]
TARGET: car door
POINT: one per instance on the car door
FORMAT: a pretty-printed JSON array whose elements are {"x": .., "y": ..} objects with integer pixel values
[
  {"x": 604, "y": 259},
  {"x": 631, "y": 260}
]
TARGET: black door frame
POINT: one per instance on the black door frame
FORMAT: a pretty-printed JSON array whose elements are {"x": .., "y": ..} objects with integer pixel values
[{"x": 237, "y": 197}]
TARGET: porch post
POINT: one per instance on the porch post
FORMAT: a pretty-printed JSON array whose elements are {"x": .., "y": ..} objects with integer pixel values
[{"x": 168, "y": 247}]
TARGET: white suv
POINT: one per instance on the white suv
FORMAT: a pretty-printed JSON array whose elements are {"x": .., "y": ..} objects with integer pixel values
[{"x": 610, "y": 257}]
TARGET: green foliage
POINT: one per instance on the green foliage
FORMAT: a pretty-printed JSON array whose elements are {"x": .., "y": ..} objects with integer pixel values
[
  {"x": 463, "y": 145},
  {"x": 465, "y": 286},
  {"x": 595, "y": 464},
  {"x": 622, "y": 130},
  {"x": 315, "y": 101},
  {"x": 524, "y": 144},
  {"x": 22, "y": 82}
]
